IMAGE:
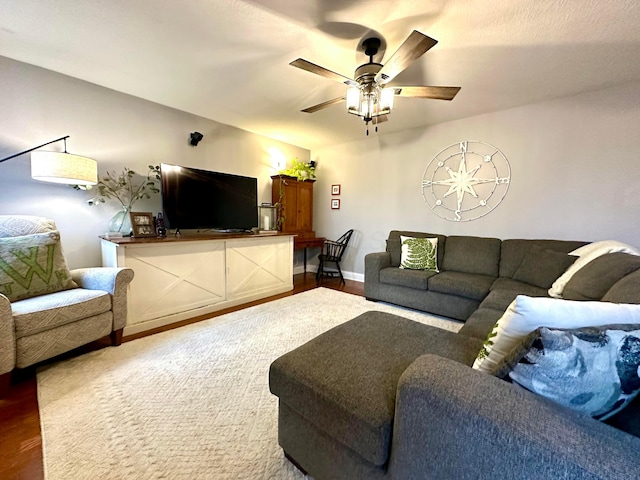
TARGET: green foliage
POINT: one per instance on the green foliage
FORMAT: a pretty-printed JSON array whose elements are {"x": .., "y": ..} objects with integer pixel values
[
  {"x": 421, "y": 254},
  {"x": 125, "y": 187},
  {"x": 484, "y": 352},
  {"x": 302, "y": 171}
]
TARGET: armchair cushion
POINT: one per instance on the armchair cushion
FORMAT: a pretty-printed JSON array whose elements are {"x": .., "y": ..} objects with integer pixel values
[
  {"x": 32, "y": 265},
  {"x": 38, "y": 314}
]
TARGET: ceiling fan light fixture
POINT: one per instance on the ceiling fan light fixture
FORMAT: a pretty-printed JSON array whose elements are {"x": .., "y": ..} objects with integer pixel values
[{"x": 386, "y": 99}]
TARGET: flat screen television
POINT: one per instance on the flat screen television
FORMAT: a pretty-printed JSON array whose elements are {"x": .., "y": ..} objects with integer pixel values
[{"x": 202, "y": 199}]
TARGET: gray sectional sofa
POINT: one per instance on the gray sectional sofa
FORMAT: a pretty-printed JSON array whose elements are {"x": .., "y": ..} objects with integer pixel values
[{"x": 382, "y": 396}]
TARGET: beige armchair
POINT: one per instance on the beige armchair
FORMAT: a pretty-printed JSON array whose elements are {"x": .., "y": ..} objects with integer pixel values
[{"x": 91, "y": 304}]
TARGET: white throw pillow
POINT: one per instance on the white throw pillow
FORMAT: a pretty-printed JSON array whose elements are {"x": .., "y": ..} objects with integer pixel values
[
  {"x": 585, "y": 254},
  {"x": 418, "y": 253},
  {"x": 526, "y": 314}
]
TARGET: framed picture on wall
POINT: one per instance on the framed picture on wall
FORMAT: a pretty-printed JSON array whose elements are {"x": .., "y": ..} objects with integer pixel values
[
  {"x": 142, "y": 223},
  {"x": 335, "y": 204},
  {"x": 335, "y": 189}
]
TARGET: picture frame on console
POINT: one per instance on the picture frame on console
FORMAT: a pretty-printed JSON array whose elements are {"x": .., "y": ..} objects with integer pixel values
[{"x": 143, "y": 225}]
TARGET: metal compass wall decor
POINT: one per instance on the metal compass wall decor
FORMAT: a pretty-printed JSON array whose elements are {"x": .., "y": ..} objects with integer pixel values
[{"x": 466, "y": 180}]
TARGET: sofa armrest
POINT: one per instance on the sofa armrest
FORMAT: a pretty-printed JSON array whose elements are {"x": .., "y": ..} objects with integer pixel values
[
  {"x": 373, "y": 263},
  {"x": 110, "y": 279},
  {"x": 455, "y": 422},
  {"x": 7, "y": 337}
]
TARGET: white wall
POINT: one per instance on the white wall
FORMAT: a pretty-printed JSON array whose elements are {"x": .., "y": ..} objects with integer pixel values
[
  {"x": 575, "y": 165},
  {"x": 117, "y": 130}
]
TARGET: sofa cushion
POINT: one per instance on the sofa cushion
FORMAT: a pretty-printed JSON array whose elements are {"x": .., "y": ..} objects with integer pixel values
[
  {"x": 406, "y": 278},
  {"x": 593, "y": 280},
  {"x": 418, "y": 253},
  {"x": 527, "y": 314},
  {"x": 480, "y": 323},
  {"x": 625, "y": 290},
  {"x": 513, "y": 251},
  {"x": 542, "y": 266},
  {"x": 501, "y": 298},
  {"x": 394, "y": 247},
  {"x": 472, "y": 255},
  {"x": 585, "y": 255},
  {"x": 591, "y": 370},
  {"x": 32, "y": 265},
  {"x": 466, "y": 285},
  {"x": 375, "y": 348},
  {"x": 37, "y": 314},
  {"x": 503, "y": 283}
]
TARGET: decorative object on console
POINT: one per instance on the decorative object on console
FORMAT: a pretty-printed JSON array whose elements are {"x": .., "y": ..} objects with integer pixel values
[
  {"x": 335, "y": 189},
  {"x": 60, "y": 167},
  {"x": 477, "y": 172},
  {"x": 127, "y": 190},
  {"x": 160, "y": 228},
  {"x": 526, "y": 314},
  {"x": 268, "y": 218},
  {"x": 194, "y": 138},
  {"x": 142, "y": 224},
  {"x": 593, "y": 370},
  {"x": 418, "y": 253}
]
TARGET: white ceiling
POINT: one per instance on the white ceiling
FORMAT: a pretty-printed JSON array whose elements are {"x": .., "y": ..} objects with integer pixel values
[{"x": 228, "y": 60}]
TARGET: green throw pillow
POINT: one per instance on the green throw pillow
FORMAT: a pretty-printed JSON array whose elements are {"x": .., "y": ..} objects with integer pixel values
[
  {"x": 418, "y": 253},
  {"x": 33, "y": 265}
]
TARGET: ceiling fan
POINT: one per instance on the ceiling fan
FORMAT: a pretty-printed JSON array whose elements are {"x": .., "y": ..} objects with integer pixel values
[{"x": 371, "y": 94}]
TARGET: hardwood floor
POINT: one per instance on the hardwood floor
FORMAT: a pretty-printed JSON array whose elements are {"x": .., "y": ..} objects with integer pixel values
[{"x": 20, "y": 438}]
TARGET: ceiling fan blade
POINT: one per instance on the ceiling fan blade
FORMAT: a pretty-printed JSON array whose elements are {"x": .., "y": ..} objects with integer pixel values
[
  {"x": 322, "y": 105},
  {"x": 439, "y": 93},
  {"x": 413, "y": 47},
  {"x": 323, "y": 72},
  {"x": 380, "y": 119}
]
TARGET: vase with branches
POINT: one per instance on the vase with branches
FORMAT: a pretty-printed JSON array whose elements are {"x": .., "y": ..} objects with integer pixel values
[{"x": 126, "y": 188}]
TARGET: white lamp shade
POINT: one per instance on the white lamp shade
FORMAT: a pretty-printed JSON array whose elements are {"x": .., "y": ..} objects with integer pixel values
[
  {"x": 60, "y": 167},
  {"x": 386, "y": 98}
]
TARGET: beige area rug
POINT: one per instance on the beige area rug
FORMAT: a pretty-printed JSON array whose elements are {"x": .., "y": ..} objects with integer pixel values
[{"x": 190, "y": 403}]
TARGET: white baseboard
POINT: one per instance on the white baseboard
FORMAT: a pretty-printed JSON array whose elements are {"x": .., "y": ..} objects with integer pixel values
[{"x": 356, "y": 277}]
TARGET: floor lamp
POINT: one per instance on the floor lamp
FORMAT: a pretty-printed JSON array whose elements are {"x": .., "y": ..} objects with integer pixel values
[{"x": 60, "y": 167}]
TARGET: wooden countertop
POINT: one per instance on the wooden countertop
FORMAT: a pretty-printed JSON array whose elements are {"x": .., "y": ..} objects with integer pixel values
[{"x": 170, "y": 238}]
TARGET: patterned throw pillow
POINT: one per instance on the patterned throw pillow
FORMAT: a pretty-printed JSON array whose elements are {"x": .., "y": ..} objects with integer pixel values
[
  {"x": 527, "y": 314},
  {"x": 418, "y": 253},
  {"x": 33, "y": 265},
  {"x": 592, "y": 370}
]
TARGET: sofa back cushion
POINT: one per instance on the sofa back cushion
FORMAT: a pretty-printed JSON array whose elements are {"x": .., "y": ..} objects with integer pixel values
[
  {"x": 593, "y": 280},
  {"x": 514, "y": 250},
  {"x": 472, "y": 255},
  {"x": 394, "y": 246},
  {"x": 625, "y": 290}
]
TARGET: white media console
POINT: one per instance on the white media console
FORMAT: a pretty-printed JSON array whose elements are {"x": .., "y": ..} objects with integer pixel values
[{"x": 178, "y": 278}]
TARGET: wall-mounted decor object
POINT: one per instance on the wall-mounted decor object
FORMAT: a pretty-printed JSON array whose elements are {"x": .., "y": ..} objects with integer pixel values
[
  {"x": 335, "y": 204},
  {"x": 466, "y": 181},
  {"x": 335, "y": 189},
  {"x": 142, "y": 224}
]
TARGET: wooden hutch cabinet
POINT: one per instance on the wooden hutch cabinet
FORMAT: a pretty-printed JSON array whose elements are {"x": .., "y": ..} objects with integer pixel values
[{"x": 297, "y": 204}]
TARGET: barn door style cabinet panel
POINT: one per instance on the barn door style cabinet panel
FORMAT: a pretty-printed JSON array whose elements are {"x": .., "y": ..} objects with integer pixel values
[
  {"x": 297, "y": 204},
  {"x": 181, "y": 278}
]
